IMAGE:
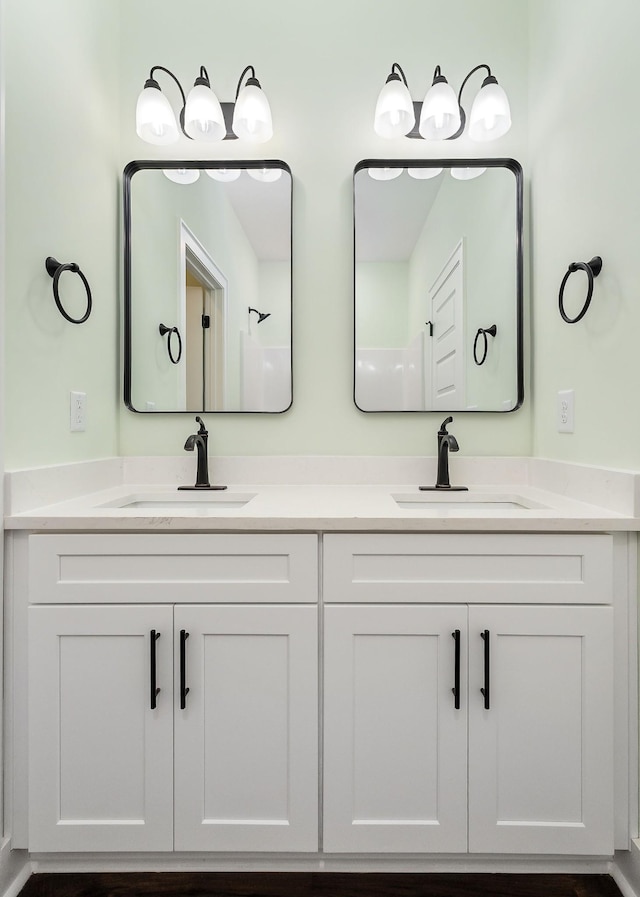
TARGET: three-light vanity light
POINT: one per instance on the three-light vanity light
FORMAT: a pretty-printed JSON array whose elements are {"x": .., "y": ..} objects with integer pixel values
[
  {"x": 440, "y": 115},
  {"x": 202, "y": 116}
]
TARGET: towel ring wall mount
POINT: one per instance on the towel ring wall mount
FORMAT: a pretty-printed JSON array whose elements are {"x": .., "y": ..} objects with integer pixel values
[
  {"x": 163, "y": 329},
  {"x": 592, "y": 269},
  {"x": 482, "y": 331},
  {"x": 54, "y": 270}
]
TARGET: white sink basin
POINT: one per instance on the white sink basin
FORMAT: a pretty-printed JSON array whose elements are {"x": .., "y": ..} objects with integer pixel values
[
  {"x": 464, "y": 501},
  {"x": 173, "y": 501}
]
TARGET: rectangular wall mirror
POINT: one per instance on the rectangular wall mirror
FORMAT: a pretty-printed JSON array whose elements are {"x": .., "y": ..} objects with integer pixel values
[
  {"x": 438, "y": 285},
  {"x": 208, "y": 286}
]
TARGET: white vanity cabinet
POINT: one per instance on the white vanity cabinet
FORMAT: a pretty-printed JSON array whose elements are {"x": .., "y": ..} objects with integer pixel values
[
  {"x": 522, "y": 760},
  {"x": 224, "y": 758},
  {"x": 467, "y": 706}
]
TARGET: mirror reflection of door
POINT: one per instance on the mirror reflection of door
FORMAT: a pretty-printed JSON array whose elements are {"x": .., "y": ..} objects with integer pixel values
[
  {"x": 204, "y": 344},
  {"x": 205, "y": 291}
]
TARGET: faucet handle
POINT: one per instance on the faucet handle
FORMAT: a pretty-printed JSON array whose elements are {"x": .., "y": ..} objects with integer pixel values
[
  {"x": 202, "y": 431},
  {"x": 443, "y": 425}
]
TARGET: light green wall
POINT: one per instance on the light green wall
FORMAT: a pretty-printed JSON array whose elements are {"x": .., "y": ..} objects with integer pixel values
[
  {"x": 585, "y": 194},
  {"x": 61, "y": 200},
  {"x": 322, "y": 63}
]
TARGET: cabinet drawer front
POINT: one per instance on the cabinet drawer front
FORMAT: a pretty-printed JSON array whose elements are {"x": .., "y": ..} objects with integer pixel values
[
  {"x": 122, "y": 568},
  {"x": 479, "y": 568}
]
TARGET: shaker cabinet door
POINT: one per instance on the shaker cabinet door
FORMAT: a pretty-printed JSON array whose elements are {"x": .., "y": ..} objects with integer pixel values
[
  {"x": 100, "y": 757},
  {"x": 541, "y": 736},
  {"x": 246, "y": 724},
  {"x": 395, "y": 745}
]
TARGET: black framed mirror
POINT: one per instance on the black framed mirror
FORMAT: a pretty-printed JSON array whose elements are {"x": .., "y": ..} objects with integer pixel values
[
  {"x": 438, "y": 285},
  {"x": 208, "y": 286}
]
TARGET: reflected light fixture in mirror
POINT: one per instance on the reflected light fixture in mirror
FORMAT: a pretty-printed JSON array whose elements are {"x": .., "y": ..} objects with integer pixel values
[
  {"x": 224, "y": 174},
  {"x": 424, "y": 174},
  {"x": 267, "y": 175},
  {"x": 202, "y": 117},
  {"x": 466, "y": 174},
  {"x": 441, "y": 115},
  {"x": 181, "y": 175},
  {"x": 385, "y": 174}
]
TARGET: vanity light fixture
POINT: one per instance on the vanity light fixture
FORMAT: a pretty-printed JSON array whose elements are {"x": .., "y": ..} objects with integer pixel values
[
  {"x": 202, "y": 117},
  {"x": 440, "y": 116}
]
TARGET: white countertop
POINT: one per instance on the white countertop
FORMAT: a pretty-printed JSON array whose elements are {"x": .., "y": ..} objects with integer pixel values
[{"x": 318, "y": 508}]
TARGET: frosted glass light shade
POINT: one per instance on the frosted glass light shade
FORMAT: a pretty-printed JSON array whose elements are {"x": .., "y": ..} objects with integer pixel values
[
  {"x": 440, "y": 114},
  {"x": 182, "y": 175},
  {"x": 394, "y": 115},
  {"x": 466, "y": 174},
  {"x": 203, "y": 118},
  {"x": 155, "y": 121},
  {"x": 423, "y": 174},
  {"x": 490, "y": 116},
  {"x": 224, "y": 174},
  {"x": 252, "y": 115},
  {"x": 384, "y": 174},
  {"x": 268, "y": 175}
]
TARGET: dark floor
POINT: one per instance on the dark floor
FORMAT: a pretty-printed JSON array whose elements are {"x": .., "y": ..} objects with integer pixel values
[{"x": 314, "y": 884}]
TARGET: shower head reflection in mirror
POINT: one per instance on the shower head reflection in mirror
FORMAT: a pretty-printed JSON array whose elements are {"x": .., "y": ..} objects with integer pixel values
[
  {"x": 199, "y": 252},
  {"x": 438, "y": 253}
]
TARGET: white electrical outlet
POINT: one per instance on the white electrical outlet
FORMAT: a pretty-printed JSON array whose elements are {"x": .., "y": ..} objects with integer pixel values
[
  {"x": 565, "y": 411},
  {"x": 78, "y": 411}
]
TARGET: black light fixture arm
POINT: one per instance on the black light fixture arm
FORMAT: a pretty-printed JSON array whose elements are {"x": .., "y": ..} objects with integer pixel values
[
  {"x": 251, "y": 81},
  {"x": 394, "y": 76},
  {"x": 151, "y": 82},
  {"x": 477, "y": 68}
]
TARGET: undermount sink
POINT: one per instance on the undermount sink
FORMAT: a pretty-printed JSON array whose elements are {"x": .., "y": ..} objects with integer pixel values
[
  {"x": 463, "y": 501},
  {"x": 201, "y": 501}
]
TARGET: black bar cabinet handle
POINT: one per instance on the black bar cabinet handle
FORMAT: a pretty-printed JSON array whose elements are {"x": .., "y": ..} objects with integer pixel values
[
  {"x": 487, "y": 669},
  {"x": 155, "y": 691},
  {"x": 456, "y": 687},
  {"x": 184, "y": 691}
]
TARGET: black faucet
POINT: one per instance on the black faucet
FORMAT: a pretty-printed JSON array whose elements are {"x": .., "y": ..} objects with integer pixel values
[
  {"x": 199, "y": 441},
  {"x": 447, "y": 442}
]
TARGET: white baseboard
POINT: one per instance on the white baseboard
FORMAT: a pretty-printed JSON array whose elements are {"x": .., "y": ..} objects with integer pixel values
[
  {"x": 193, "y": 862},
  {"x": 15, "y": 869},
  {"x": 625, "y": 870}
]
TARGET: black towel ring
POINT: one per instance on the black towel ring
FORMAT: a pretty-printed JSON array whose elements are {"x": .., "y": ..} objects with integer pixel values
[
  {"x": 171, "y": 330},
  {"x": 592, "y": 269},
  {"x": 483, "y": 332},
  {"x": 55, "y": 269}
]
